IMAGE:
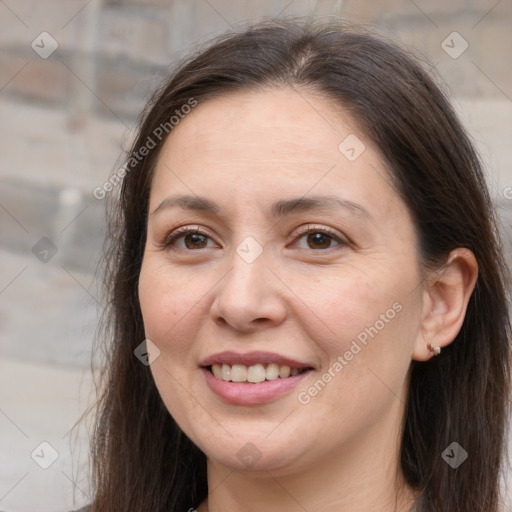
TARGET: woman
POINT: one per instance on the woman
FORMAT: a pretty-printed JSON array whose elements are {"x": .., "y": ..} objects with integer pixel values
[{"x": 305, "y": 241}]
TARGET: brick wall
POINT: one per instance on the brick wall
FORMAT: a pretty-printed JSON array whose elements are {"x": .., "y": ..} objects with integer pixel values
[
  {"x": 119, "y": 49},
  {"x": 74, "y": 75}
]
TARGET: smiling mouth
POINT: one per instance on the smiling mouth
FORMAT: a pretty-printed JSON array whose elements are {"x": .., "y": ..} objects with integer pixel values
[{"x": 254, "y": 374}]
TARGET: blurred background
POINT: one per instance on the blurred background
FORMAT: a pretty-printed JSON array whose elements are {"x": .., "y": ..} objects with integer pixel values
[{"x": 74, "y": 75}]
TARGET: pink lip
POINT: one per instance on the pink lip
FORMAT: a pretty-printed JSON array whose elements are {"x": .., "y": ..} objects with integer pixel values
[
  {"x": 252, "y": 358},
  {"x": 246, "y": 393}
]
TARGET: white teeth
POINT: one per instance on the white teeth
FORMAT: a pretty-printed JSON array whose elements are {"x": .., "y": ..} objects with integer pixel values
[
  {"x": 254, "y": 374},
  {"x": 284, "y": 372},
  {"x": 217, "y": 370},
  {"x": 272, "y": 371},
  {"x": 238, "y": 373},
  {"x": 226, "y": 372}
]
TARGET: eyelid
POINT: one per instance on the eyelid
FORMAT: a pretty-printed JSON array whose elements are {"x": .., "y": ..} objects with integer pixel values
[
  {"x": 302, "y": 230},
  {"x": 171, "y": 237},
  {"x": 182, "y": 231}
]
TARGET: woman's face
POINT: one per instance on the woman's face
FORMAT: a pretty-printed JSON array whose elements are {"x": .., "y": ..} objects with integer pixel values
[{"x": 305, "y": 257}]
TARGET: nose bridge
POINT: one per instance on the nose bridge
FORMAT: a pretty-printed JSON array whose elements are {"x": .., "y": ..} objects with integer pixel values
[
  {"x": 248, "y": 292},
  {"x": 247, "y": 277}
]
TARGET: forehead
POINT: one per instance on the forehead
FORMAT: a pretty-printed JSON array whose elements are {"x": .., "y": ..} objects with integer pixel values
[
  {"x": 271, "y": 142},
  {"x": 276, "y": 119}
]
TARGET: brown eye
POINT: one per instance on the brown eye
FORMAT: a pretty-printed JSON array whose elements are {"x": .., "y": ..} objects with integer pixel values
[
  {"x": 186, "y": 239},
  {"x": 195, "y": 241},
  {"x": 319, "y": 240}
]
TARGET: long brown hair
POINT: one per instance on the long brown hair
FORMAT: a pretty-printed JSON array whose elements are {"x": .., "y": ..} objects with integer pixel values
[{"x": 141, "y": 459}]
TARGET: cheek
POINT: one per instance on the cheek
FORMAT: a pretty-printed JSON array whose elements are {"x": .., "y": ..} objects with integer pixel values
[
  {"x": 364, "y": 323},
  {"x": 165, "y": 302},
  {"x": 167, "y": 309},
  {"x": 348, "y": 305}
]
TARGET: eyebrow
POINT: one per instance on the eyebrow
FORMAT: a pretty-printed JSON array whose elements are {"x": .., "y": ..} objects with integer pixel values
[{"x": 278, "y": 209}]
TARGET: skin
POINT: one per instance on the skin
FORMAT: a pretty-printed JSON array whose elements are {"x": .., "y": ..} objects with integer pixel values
[{"x": 303, "y": 298}]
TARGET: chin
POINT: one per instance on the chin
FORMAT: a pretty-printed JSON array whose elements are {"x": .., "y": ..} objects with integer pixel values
[{"x": 255, "y": 454}]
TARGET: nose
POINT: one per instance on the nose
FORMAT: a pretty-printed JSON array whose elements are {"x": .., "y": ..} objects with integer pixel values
[{"x": 250, "y": 296}]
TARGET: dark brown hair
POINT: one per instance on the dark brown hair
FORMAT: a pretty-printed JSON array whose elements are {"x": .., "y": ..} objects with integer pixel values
[{"x": 141, "y": 459}]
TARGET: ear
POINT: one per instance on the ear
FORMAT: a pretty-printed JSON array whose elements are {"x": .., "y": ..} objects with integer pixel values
[{"x": 445, "y": 299}]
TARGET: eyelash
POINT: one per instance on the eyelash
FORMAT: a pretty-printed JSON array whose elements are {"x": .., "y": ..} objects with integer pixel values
[{"x": 171, "y": 239}]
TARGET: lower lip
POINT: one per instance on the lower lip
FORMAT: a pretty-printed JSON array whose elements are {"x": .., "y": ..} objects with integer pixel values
[{"x": 247, "y": 393}]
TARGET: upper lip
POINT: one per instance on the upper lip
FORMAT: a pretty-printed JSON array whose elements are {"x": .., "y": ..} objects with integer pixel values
[{"x": 252, "y": 358}]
